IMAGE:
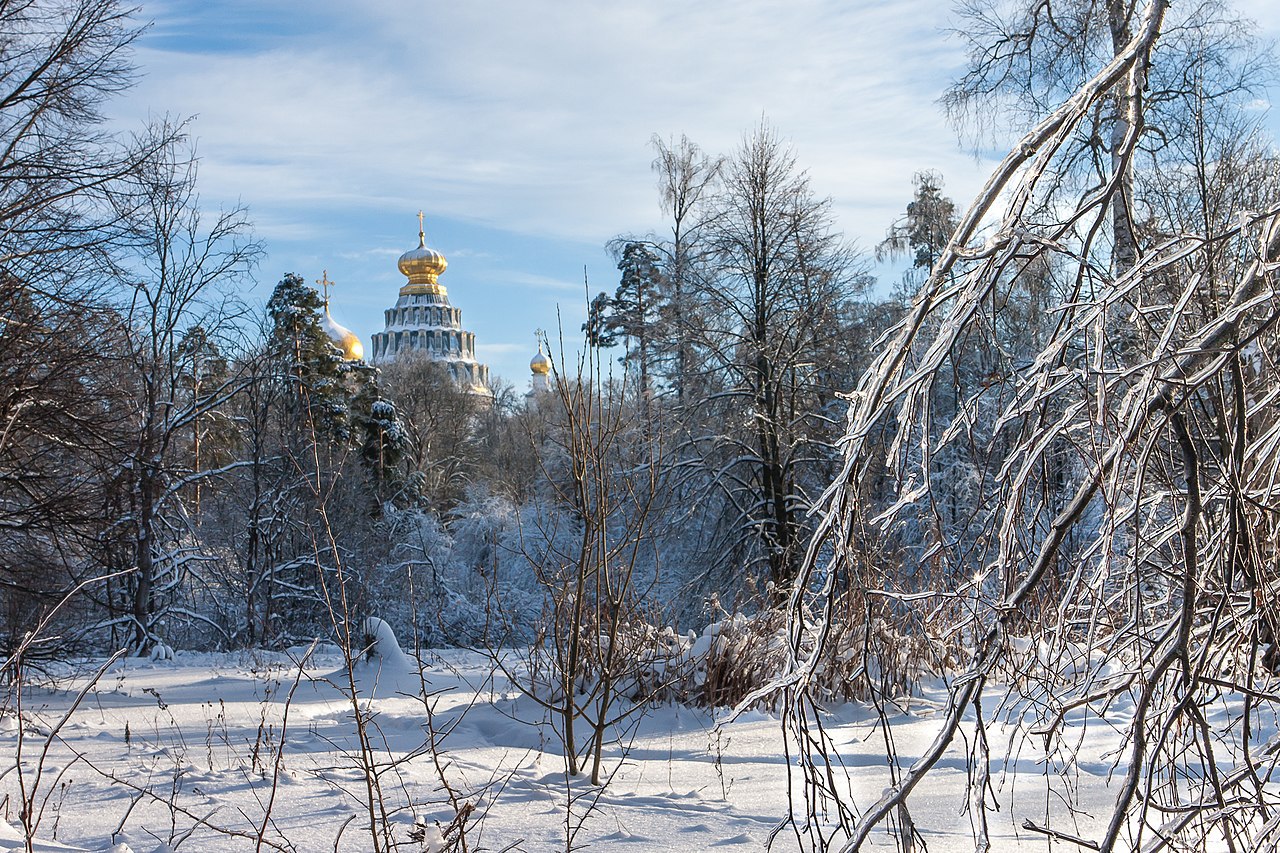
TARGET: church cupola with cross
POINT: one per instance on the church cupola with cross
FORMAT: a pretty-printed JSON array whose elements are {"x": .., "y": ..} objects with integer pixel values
[
  {"x": 342, "y": 337},
  {"x": 424, "y": 322}
]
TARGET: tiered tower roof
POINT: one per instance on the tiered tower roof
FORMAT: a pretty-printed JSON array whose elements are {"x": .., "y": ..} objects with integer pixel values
[{"x": 424, "y": 321}]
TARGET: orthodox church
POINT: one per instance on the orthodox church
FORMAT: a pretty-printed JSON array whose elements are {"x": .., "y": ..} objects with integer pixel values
[
  {"x": 423, "y": 321},
  {"x": 539, "y": 376}
]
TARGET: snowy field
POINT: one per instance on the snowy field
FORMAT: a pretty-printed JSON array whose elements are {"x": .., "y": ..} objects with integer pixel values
[{"x": 217, "y": 751}]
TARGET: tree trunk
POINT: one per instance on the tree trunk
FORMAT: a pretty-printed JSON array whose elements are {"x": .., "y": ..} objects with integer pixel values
[{"x": 1127, "y": 104}]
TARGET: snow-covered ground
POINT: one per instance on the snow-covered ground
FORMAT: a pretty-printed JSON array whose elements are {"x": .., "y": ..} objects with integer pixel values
[{"x": 171, "y": 754}]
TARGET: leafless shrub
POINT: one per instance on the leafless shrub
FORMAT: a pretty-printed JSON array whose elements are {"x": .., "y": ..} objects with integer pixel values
[{"x": 586, "y": 551}]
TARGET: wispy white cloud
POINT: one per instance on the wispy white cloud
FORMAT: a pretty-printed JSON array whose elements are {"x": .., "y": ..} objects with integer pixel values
[
  {"x": 534, "y": 281},
  {"x": 533, "y": 120},
  {"x": 371, "y": 253},
  {"x": 536, "y": 117}
]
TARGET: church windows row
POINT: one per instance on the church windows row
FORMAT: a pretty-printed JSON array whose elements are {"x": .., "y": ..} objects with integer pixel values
[
  {"x": 442, "y": 342},
  {"x": 423, "y": 316}
]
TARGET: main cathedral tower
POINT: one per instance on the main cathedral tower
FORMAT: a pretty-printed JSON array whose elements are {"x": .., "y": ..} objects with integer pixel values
[{"x": 423, "y": 321}]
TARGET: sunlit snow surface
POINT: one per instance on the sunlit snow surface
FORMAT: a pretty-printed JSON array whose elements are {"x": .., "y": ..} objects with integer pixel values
[{"x": 204, "y": 732}]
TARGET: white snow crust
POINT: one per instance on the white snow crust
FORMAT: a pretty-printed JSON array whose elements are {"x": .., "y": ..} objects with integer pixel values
[{"x": 205, "y": 730}]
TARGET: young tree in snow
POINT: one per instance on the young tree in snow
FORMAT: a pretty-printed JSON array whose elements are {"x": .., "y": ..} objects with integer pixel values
[{"x": 591, "y": 540}]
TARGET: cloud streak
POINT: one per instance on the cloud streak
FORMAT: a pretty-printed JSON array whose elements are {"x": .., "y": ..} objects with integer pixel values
[{"x": 533, "y": 121}]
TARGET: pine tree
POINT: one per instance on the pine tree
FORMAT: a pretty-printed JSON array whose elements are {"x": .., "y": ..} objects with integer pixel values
[
  {"x": 308, "y": 360},
  {"x": 634, "y": 312},
  {"x": 923, "y": 232},
  {"x": 383, "y": 442}
]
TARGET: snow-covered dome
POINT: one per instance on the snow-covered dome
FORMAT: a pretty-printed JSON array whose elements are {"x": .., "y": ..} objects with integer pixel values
[{"x": 345, "y": 339}]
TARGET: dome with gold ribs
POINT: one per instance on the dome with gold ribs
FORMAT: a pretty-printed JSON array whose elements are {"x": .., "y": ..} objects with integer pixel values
[
  {"x": 541, "y": 365},
  {"x": 422, "y": 266}
]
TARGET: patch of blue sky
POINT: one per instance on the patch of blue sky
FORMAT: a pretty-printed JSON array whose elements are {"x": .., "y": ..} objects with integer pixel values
[{"x": 229, "y": 26}]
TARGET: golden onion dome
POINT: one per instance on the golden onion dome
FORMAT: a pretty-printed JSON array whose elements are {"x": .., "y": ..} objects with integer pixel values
[
  {"x": 342, "y": 337},
  {"x": 422, "y": 266},
  {"x": 541, "y": 365}
]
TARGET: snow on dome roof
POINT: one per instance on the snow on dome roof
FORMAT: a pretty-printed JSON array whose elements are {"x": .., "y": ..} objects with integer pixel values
[{"x": 345, "y": 339}]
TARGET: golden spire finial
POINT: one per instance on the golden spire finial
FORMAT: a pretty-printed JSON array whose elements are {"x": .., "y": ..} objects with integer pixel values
[
  {"x": 422, "y": 233},
  {"x": 325, "y": 284}
]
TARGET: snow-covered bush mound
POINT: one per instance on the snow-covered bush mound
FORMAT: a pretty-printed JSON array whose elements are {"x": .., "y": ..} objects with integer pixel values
[
  {"x": 381, "y": 668},
  {"x": 382, "y": 649},
  {"x": 741, "y": 653}
]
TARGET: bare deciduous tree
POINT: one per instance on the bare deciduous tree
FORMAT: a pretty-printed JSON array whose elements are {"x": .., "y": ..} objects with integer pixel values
[
  {"x": 60, "y": 174},
  {"x": 602, "y": 480},
  {"x": 179, "y": 277},
  {"x": 779, "y": 297}
]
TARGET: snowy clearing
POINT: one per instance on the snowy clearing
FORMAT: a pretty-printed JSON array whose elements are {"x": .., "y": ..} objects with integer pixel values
[{"x": 178, "y": 754}]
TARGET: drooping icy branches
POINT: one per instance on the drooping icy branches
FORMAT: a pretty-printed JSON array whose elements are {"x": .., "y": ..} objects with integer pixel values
[{"x": 1081, "y": 510}]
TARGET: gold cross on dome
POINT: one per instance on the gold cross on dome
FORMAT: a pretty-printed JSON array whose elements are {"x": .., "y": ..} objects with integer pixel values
[
  {"x": 421, "y": 227},
  {"x": 325, "y": 284}
]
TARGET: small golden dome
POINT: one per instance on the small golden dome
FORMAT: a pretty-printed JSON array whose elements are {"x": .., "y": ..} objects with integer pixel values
[
  {"x": 541, "y": 365},
  {"x": 345, "y": 339},
  {"x": 422, "y": 266}
]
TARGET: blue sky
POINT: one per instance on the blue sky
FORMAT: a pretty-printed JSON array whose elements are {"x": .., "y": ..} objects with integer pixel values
[{"x": 522, "y": 130}]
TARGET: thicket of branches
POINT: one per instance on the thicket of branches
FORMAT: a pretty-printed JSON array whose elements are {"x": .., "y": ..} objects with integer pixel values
[
  {"x": 1113, "y": 553},
  {"x": 1042, "y": 472}
]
